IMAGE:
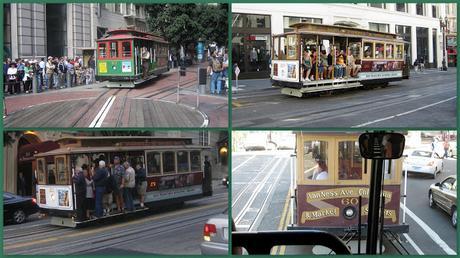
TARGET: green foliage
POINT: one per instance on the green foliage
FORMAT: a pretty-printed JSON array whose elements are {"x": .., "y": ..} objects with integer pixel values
[{"x": 183, "y": 24}]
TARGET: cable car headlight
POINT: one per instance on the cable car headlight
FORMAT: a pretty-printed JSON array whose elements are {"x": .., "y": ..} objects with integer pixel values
[{"x": 349, "y": 212}]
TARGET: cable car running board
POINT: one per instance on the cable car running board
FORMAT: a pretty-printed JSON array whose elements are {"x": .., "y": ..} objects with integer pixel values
[
  {"x": 70, "y": 222},
  {"x": 314, "y": 89}
]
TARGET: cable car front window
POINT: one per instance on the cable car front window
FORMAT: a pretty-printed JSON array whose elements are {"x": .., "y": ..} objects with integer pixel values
[
  {"x": 292, "y": 47},
  {"x": 276, "y": 47},
  {"x": 126, "y": 49},
  {"x": 113, "y": 49},
  {"x": 350, "y": 161},
  {"x": 102, "y": 50},
  {"x": 315, "y": 160},
  {"x": 61, "y": 171}
]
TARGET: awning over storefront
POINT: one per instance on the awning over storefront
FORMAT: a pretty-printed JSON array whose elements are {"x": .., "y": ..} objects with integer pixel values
[{"x": 27, "y": 152}]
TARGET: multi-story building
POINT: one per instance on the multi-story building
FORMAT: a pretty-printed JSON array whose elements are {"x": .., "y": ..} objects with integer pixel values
[
  {"x": 38, "y": 30},
  {"x": 21, "y": 146},
  {"x": 417, "y": 23}
]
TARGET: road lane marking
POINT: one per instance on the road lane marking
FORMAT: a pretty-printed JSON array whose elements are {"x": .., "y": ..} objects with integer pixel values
[
  {"x": 101, "y": 111},
  {"x": 414, "y": 245},
  {"x": 244, "y": 162},
  {"x": 404, "y": 113},
  {"x": 235, "y": 201},
  {"x": 254, "y": 194},
  {"x": 116, "y": 226},
  {"x": 274, "y": 251},
  {"x": 430, "y": 232},
  {"x": 99, "y": 122}
]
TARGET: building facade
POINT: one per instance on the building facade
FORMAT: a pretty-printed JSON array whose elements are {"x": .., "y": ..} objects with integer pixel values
[
  {"x": 35, "y": 31},
  {"x": 20, "y": 147},
  {"x": 417, "y": 23}
]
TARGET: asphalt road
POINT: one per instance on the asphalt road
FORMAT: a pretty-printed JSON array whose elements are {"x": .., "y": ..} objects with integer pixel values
[
  {"x": 260, "y": 201},
  {"x": 171, "y": 230},
  {"x": 427, "y": 99},
  {"x": 152, "y": 104}
]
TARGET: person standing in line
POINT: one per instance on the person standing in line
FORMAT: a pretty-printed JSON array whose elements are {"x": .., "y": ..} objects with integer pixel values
[
  {"x": 100, "y": 179},
  {"x": 21, "y": 184},
  {"x": 446, "y": 148},
  {"x": 49, "y": 73},
  {"x": 130, "y": 179},
  {"x": 207, "y": 181},
  {"x": 62, "y": 71}
]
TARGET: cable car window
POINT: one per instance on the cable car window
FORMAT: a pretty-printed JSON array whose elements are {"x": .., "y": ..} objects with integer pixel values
[
  {"x": 276, "y": 47},
  {"x": 61, "y": 172},
  {"x": 102, "y": 50},
  {"x": 282, "y": 48},
  {"x": 368, "y": 50},
  {"x": 169, "y": 162},
  {"x": 78, "y": 160},
  {"x": 135, "y": 158},
  {"x": 291, "y": 47},
  {"x": 350, "y": 161},
  {"x": 315, "y": 160},
  {"x": 389, "y": 50},
  {"x": 182, "y": 161},
  {"x": 379, "y": 51},
  {"x": 113, "y": 49},
  {"x": 195, "y": 160},
  {"x": 153, "y": 163},
  {"x": 355, "y": 49},
  {"x": 41, "y": 172},
  {"x": 126, "y": 49},
  {"x": 399, "y": 51}
]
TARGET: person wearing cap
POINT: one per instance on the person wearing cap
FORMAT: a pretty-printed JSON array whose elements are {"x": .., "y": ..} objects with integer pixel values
[
  {"x": 118, "y": 172},
  {"x": 100, "y": 179},
  {"x": 50, "y": 72},
  {"x": 320, "y": 172}
]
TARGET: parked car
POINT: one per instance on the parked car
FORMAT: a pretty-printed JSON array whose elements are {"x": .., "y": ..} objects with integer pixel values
[
  {"x": 215, "y": 235},
  {"x": 16, "y": 208},
  {"x": 423, "y": 162},
  {"x": 444, "y": 196}
]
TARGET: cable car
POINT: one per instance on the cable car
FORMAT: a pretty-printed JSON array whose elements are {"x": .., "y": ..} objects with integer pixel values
[
  {"x": 174, "y": 169},
  {"x": 355, "y": 58},
  {"x": 119, "y": 57}
]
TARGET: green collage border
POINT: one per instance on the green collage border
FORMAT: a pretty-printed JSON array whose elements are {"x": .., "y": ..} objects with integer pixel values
[{"x": 230, "y": 128}]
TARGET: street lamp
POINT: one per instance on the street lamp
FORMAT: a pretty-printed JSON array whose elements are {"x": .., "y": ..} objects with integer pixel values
[{"x": 443, "y": 25}]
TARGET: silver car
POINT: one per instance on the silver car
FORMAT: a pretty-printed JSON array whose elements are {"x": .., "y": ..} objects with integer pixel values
[
  {"x": 215, "y": 235},
  {"x": 444, "y": 196}
]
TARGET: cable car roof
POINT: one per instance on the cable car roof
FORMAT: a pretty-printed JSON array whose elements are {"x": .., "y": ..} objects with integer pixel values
[
  {"x": 82, "y": 150},
  {"x": 126, "y": 33},
  {"x": 337, "y": 30}
]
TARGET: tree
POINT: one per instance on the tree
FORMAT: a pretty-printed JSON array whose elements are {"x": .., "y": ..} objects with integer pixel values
[{"x": 184, "y": 24}]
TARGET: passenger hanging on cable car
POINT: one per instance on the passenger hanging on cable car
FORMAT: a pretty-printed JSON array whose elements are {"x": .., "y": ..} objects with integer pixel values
[
  {"x": 352, "y": 68},
  {"x": 145, "y": 62},
  {"x": 306, "y": 65}
]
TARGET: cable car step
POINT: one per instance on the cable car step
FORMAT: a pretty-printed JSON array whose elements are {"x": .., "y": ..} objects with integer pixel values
[
  {"x": 71, "y": 222},
  {"x": 299, "y": 92}
]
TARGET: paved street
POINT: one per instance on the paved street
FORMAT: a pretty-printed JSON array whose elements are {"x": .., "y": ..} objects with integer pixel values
[
  {"x": 428, "y": 99},
  {"x": 151, "y": 105},
  {"x": 260, "y": 201},
  {"x": 172, "y": 230}
]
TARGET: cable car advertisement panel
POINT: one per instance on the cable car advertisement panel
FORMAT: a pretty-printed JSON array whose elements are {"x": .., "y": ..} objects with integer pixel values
[
  {"x": 332, "y": 206},
  {"x": 285, "y": 70},
  {"x": 174, "y": 186},
  {"x": 55, "y": 197}
]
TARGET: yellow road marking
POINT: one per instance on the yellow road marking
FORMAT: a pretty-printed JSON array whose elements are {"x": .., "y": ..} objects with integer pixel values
[
  {"x": 30, "y": 243},
  {"x": 281, "y": 225},
  {"x": 283, "y": 247}
]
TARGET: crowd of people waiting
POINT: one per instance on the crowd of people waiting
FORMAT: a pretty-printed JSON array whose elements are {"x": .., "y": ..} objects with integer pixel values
[
  {"x": 329, "y": 66},
  {"x": 97, "y": 187},
  {"x": 55, "y": 73}
]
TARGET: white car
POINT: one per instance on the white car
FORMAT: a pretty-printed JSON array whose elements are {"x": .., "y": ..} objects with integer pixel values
[{"x": 423, "y": 162}]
